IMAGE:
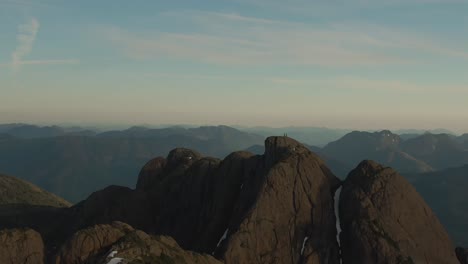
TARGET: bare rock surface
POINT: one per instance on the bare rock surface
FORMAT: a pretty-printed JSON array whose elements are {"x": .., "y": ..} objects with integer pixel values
[
  {"x": 87, "y": 244},
  {"x": 384, "y": 220},
  {"x": 21, "y": 246}
]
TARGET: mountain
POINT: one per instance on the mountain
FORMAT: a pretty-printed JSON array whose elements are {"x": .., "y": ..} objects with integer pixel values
[
  {"x": 19, "y": 192},
  {"x": 464, "y": 140},
  {"x": 383, "y": 146},
  {"x": 440, "y": 151},
  {"x": 422, "y": 131},
  {"x": 278, "y": 207},
  {"x": 33, "y": 131},
  {"x": 316, "y": 136},
  {"x": 445, "y": 192},
  {"x": 384, "y": 220},
  {"x": 75, "y": 166},
  {"x": 339, "y": 168},
  {"x": 209, "y": 206}
]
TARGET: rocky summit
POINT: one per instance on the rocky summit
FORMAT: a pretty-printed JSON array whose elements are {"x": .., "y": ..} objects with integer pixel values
[
  {"x": 277, "y": 207},
  {"x": 384, "y": 220}
]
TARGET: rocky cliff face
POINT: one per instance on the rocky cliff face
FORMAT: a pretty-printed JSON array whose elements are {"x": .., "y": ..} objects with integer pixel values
[
  {"x": 290, "y": 218},
  {"x": 462, "y": 255},
  {"x": 384, "y": 220},
  {"x": 23, "y": 246}
]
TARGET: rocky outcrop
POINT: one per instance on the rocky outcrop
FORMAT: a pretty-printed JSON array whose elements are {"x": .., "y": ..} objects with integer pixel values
[
  {"x": 287, "y": 217},
  {"x": 88, "y": 244},
  {"x": 462, "y": 255},
  {"x": 120, "y": 243},
  {"x": 384, "y": 220},
  {"x": 274, "y": 208},
  {"x": 139, "y": 247},
  {"x": 23, "y": 246}
]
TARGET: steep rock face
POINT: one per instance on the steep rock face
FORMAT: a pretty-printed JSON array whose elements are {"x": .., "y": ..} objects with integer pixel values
[
  {"x": 287, "y": 217},
  {"x": 114, "y": 203},
  {"x": 384, "y": 220},
  {"x": 87, "y": 244},
  {"x": 462, "y": 255},
  {"x": 274, "y": 208},
  {"x": 23, "y": 246}
]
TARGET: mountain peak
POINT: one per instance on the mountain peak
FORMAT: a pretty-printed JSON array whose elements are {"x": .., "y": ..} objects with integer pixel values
[
  {"x": 182, "y": 156},
  {"x": 278, "y": 148}
]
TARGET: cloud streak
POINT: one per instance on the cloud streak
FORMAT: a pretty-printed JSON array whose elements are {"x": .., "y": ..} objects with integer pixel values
[
  {"x": 233, "y": 39},
  {"x": 25, "y": 37}
]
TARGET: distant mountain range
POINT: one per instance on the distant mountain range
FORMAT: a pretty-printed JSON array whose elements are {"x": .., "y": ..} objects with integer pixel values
[
  {"x": 73, "y": 165},
  {"x": 74, "y": 162},
  {"x": 423, "y": 153}
]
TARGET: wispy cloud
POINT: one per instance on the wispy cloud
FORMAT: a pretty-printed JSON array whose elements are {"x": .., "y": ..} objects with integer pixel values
[
  {"x": 337, "y": 7},
  {"x": 229, "y": 38},
  {"x": 49, "y": 62},
  {"x": 25, "y": 37}
]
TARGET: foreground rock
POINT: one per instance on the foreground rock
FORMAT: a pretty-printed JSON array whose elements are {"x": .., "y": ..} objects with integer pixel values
[
  {"x": 21, "y": 246},
  {"x": 384, "y": 220},
  {"x": 139, "y": 247},
  {"x": 462, "y": 255},
  {"x": 87, "y": 244},
  {"x": 120, "y": 243}
]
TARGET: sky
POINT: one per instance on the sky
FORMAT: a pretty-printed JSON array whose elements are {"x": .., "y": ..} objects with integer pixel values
[{"x": 357, "y": 64}]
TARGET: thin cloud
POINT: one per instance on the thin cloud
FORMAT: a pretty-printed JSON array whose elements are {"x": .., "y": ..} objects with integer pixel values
[
  {"x": 49, "y": 62},
  {"x": 233, "y": 39},
  {"x": 25, "y": 37},
  {"x": 223, "y": 41}
]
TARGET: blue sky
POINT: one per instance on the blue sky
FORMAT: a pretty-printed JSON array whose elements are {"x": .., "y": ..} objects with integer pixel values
[{"x": 352, "y": 64}]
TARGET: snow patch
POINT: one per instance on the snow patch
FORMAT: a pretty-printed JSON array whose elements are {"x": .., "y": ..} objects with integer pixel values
[
  {"x": 303, "y": 245},
  {"x": 222, "y": 238},
  {"x": 112, "y": 254},
  {"x": 116, "y": 261}
]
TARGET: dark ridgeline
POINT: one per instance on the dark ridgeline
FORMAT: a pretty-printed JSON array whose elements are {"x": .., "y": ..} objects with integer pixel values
[{"x": 272, "y": 208}]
